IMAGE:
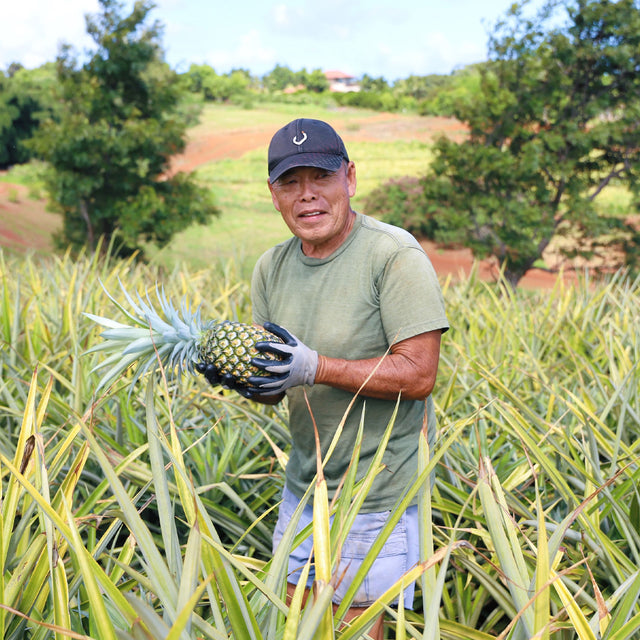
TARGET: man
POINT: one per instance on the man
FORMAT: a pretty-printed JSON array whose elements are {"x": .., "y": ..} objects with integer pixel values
[{"x": 341, "y": 293}]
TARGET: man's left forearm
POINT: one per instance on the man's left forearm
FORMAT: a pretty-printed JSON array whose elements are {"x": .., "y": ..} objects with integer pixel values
[{"x": 409, "y": 369}]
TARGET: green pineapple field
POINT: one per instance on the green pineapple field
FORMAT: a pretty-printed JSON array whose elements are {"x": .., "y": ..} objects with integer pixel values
[{"x": 146, "y": 511}]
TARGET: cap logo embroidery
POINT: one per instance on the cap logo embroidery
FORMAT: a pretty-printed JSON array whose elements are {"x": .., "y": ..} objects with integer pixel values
[{"x": 299, "y": 142}]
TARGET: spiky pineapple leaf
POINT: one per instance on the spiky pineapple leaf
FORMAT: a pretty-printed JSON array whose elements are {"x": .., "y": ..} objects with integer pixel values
[{"x": 167, "y": 338}]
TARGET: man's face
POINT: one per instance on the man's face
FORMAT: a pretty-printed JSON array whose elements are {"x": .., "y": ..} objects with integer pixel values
[{"x": 315, "y": 205}]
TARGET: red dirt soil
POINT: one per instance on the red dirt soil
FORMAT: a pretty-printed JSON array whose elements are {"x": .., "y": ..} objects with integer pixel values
[{"x": 25, "y": 223}]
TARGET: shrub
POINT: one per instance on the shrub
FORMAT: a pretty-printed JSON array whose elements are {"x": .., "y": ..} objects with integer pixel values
[
  {"x": 402, "y": 202},
  {"x": 375, "y": 100}
]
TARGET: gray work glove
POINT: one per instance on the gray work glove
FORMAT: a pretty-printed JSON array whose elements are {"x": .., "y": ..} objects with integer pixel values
[
  {"x": 226, "y": 381},
  {"x": 297, "y": 364}
]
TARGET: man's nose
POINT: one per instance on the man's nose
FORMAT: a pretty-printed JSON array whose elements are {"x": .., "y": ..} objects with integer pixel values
[{"x": 308, "y": 189}]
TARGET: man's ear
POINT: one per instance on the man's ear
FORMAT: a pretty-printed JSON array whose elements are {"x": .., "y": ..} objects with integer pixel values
[
  {"x": 351, "y": 178},
  {"x": 274, "y": 198}
]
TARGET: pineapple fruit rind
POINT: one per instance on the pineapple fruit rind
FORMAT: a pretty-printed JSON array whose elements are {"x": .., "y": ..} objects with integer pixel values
[{"x": 174, "y": 339}]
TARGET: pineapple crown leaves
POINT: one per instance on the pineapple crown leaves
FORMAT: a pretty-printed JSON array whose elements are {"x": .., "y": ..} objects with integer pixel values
[{"x": 168, "y": 338}]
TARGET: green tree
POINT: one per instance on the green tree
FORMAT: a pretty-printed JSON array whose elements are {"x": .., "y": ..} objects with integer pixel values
[
  {"x": 368, "y": 83},
  {"x": 447, "y": 98},
  {"x": 315, "y": 81},
  {"x": 421, "y": 87},
  {"x": 196, "y": 77},
  {"x": 279, "y": 78},
  {"x": 25, "y": 100},
  {"x": 554, "y": 122},
  {"x": 111, "y": 146},
  {"x": 214, "y": 87}
]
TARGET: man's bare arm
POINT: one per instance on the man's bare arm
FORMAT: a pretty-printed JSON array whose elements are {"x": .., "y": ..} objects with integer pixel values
[{"x": 410, "y": 369}]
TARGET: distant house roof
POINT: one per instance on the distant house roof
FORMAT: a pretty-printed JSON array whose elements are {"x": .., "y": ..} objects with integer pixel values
[
  {"x": 337, "y": 75},
  {"x": 341, "y": 82}
]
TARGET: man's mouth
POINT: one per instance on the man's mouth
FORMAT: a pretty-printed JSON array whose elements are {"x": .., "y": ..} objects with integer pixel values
[{"x": 311, "y": 214}]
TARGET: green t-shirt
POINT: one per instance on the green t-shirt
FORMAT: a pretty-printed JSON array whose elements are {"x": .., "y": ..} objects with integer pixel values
[{"x": 377, "y": 288}]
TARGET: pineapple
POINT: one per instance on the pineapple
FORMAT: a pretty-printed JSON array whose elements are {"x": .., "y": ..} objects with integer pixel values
[{"x": 176, "y": 341}]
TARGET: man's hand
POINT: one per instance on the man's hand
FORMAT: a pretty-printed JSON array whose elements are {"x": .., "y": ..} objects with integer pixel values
[
  {"x": 297, "y": 364},
  {"x": 226, "y": 380},
  {"x": 210, "y": 372}
]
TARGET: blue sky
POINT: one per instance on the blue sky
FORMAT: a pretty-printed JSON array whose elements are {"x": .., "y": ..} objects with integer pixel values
[{"x": 389, "y": 38}]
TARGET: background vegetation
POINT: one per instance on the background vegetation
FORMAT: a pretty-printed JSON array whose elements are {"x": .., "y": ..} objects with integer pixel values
[
  {"x": 551, "y": 120},
  {"x": 248, "y": 223},
  {"x": 109, "y": 143},
  {"x": 553, "y": 123}
]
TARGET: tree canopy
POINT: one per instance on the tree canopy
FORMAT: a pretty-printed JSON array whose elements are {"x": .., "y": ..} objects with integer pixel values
[
  {"x": 203, "y": 79},
  {"x": 554, "y": 122},
  {"x": 117, "y": 127},
  {"x": 282, "y": 77},
  {"x": 25, "y": 100}
]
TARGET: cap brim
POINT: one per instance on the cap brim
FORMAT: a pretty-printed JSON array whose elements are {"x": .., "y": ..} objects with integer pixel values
[{"x": 328, "y": 161}]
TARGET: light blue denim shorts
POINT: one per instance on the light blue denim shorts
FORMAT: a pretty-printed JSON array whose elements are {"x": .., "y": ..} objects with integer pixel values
[{"x": 399, "y": 554}]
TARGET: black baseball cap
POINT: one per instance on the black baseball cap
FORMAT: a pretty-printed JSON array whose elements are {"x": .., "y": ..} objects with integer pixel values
[{"x": 305, "y": 143}]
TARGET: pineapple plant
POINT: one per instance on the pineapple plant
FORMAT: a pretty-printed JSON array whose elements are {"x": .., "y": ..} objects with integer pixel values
[{"x": 175, "y": 340}]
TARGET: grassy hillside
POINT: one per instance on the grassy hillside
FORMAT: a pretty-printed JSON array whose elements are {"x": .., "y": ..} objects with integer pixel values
[{"x": 249, "y": 224}]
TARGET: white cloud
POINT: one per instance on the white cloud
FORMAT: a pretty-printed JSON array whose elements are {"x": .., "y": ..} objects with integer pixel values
[
  {"x": 281, "y": 15},
  {"x": 312, "y": 21},
  {"x": 434, "y": 53},
  {"x": 32, "y": 30},
  {"x": 250, "y": 53}
]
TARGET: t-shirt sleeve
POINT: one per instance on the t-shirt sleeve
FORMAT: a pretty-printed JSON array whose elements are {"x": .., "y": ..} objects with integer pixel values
[
  {"x": 259, "y": 301},
  {"x": 411, "y": 300}
]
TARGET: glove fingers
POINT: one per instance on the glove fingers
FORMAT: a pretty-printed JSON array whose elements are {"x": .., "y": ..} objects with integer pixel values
[
  {"x": 209, "y": 371},
  {"x": 281, "y": 350},
  {"x": 247, "y": 391},
  {"x": 271, "y": 392},
  {"x": 267, "y": 382},
  {"x": 272, "y": 366},
  {"x": 281, "y": 332},
  {"x": 228, "y": 381}
]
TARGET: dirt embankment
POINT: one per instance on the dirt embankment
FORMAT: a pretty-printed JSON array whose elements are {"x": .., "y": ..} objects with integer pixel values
[{"x": 25, "y": 223}]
